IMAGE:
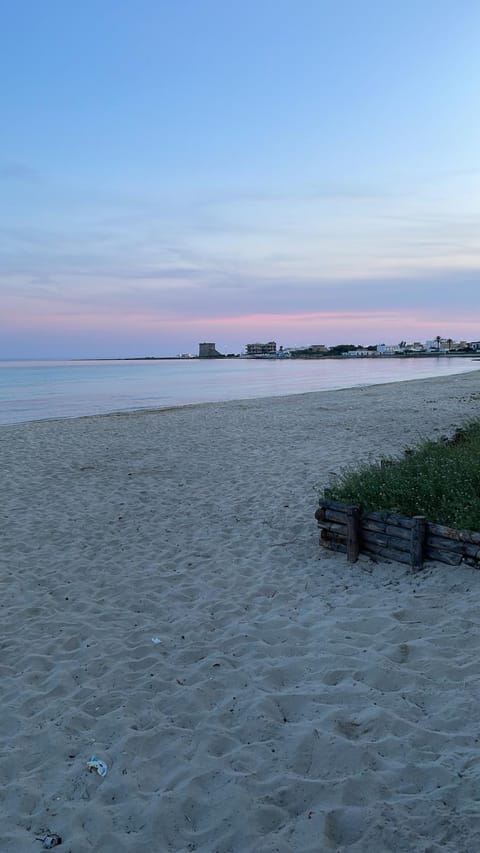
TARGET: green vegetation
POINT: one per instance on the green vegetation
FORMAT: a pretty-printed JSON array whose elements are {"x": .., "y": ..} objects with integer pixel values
[
  {"x": 341, "y": 349},
  {"x": 439, "y": 479}
]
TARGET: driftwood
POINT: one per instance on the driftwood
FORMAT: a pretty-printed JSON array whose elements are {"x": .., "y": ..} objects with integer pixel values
[{"x": 350, "y": 531}]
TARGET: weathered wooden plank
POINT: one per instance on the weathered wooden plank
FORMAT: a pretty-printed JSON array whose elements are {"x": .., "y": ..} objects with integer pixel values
[
  {"x": 442, "y": 556},
  {"x": 467, "y": 549},
  {"x": 471, "y": 551},
  {"x": 336, "y": 515},
  {"x": 388, "y": 529},
  {"x": 444, "y": 544},
  {"x": 333, "y": 527},
  {"x": 386, "y": 553},
  {"x": 376, "y": 538},
  {"x": 389, "y": 518},
  {"x": 328, "y": 506},
  {"x": 451, "y": 533}
]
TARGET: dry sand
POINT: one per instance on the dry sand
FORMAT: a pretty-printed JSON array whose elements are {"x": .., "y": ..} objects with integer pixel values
[{"x": 294, "y": 703}]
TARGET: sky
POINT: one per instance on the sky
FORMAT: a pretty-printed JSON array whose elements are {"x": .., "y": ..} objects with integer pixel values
[{"x": 177, "y": 171}]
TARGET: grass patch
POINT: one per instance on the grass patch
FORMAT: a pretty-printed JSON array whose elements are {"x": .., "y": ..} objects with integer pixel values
[{"x": 439, "y": 479}]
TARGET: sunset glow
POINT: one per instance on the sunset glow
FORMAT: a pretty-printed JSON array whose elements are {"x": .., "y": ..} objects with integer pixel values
[{"x": 301, "y": 172}]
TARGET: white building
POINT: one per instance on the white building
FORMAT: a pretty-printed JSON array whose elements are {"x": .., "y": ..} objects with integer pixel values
[
  {"x": 360, "y": 353},
  {"x": 390, "y": 349}
]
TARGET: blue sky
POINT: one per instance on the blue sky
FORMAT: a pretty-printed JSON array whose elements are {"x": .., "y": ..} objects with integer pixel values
[{"x": 221, "y": 170}]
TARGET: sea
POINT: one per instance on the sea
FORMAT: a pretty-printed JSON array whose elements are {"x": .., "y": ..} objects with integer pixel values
[{"x": 41, "y": 390}]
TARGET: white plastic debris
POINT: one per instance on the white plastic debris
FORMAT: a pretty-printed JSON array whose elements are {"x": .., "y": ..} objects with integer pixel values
[
  {"x": 156, "y": 641},
  {"x": 97, "y": 765},
  {"x": 51, "y": 841}
]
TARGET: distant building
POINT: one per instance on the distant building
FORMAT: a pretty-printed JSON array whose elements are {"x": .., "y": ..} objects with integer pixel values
[
  {"x": 318, "y": 348},
  {"x": 390, "y": 349},
  {"x": 269, "y": 348},
  {"x": 208, "y": 351},
  {"x": 436, "y": 346}
]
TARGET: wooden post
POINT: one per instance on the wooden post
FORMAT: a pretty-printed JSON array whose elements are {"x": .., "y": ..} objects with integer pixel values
[
  {"x": 419, "y": 530},
  {"x": 320, "y": 513},
  {"x": 353, "y": 533}
]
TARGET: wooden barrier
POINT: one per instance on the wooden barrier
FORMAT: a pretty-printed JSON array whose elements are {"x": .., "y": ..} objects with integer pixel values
[{"x": 350, "y": 531}]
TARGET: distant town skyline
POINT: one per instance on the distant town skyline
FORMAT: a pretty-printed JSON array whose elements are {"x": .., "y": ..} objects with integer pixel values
[
  {"x": 296, "y": 170},
  {"x": 438, "y": 344}
]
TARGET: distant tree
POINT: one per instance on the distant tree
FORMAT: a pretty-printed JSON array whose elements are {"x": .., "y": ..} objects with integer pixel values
[
  {"x": 339, "y": 349},
  {"x": 449, "y": 342},
  {"x": 438, "y": 339},
  {"x": 308, "y": 352}
]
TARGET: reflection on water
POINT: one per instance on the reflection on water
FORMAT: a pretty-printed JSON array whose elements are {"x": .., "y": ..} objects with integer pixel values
[{"x": 46, "y": 389}]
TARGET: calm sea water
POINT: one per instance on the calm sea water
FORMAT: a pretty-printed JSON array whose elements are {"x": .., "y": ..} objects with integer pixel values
[{"x": 37, "y": 390}]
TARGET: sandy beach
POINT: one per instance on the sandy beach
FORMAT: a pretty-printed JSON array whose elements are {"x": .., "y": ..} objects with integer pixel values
[{"x": 166, "y": 608}]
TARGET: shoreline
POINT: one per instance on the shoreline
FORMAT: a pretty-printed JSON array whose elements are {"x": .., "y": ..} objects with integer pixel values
[
  {"x": 239, "y": 400},
  {"x": 166, "y": 607}
]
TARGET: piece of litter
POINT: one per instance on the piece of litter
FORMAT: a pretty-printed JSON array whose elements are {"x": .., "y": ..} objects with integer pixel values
[
  {"x": 156, "y": 641},
  {"x": 51, "y": 841},
  {"x": 98, "y": 765}
]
